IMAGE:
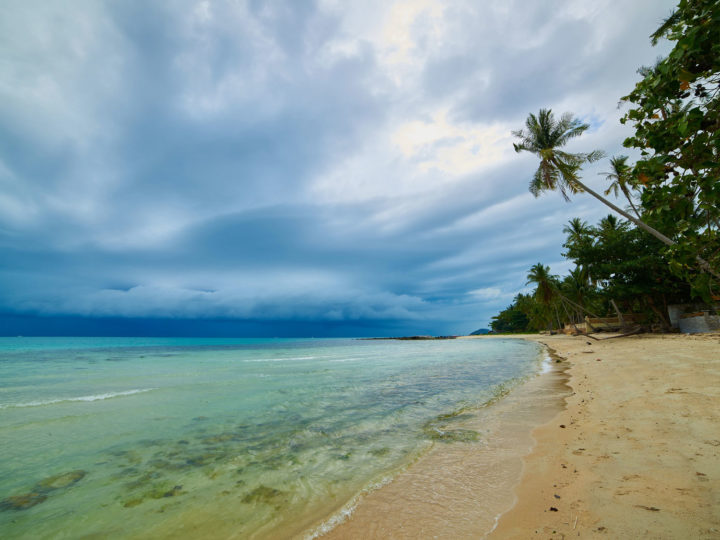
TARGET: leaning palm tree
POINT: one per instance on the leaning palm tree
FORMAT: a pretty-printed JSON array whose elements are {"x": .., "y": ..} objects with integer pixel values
[
  {"x": 558, "y": 169},
  {"x": 620, "y": 179},
  {"x": 544, "y": 136}
]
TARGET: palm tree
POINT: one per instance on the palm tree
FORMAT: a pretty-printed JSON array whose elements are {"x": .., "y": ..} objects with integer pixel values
[
  {"x": 579, "y": 235},
  {"x": 577, "y": 285},
  {"x": 610, "y": 224},
  {"x": 559, "y": 170},
  {"x": 575, "y": 290},
  {"x": 540, "y": 275},
  {"x": 620, "y": 179},
  {"x": 548, "y": 294},
  {"x": 577, "y": 230},
  {"x": 546, "y": 290}
]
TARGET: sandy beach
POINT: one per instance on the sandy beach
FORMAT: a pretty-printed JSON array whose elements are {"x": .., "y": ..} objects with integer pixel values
[
  {"x": 620, "y": 440},
  {"x": 635, "y": 453}
]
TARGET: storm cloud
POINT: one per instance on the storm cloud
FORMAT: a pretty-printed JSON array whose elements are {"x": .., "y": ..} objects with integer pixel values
[{"x": 292, "y": 163}]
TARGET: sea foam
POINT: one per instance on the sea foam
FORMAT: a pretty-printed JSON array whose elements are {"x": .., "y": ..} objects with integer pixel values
[{"x": 93, "y": 397}]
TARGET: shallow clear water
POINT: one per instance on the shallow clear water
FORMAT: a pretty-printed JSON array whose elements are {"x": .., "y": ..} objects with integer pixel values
[{"x": 225, "y": 437}]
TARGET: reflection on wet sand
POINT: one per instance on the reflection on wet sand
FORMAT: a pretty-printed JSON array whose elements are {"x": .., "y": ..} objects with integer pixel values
[{"x": 458, "y": 490}]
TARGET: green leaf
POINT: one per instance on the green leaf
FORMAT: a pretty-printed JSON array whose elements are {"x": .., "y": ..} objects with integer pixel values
[{"x": 683, "y": 126}]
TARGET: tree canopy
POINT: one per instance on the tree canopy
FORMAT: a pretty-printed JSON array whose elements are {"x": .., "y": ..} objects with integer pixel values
[
  {"x": 614, "y": 261},
  {"x": 675, "y": 111}
]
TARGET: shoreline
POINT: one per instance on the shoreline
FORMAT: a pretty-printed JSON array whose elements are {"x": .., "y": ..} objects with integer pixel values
[
  {"x": 461, "y": 490},
  {"x": 631, "y": 450}
]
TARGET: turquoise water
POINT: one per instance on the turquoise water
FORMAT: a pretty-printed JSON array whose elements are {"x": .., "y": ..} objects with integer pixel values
[{"x": 223, "y": 438}]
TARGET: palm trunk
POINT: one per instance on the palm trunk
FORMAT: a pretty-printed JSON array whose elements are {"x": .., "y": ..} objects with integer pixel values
[
  {"x": 571, "y": 319},
  {"x": 647, "y": 228},
  {"x": 621, "y": 320},
  {"x": 577, "y": 305},
  {"x": 664, "y": 320},
  {"x": 629, "y": 199},
  {"x": 557, "y": 318}
]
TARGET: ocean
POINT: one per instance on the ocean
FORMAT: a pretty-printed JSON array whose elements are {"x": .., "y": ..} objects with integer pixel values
[{"x": 227, "y": 438}]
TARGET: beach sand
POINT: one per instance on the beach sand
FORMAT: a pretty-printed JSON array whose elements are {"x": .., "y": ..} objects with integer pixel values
[
  {"x": 639, "y": 453},
  {"x": 630, "y": 449}
]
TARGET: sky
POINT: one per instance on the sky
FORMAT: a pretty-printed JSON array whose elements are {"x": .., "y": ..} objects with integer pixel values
[{"x": 338, "y": 168}]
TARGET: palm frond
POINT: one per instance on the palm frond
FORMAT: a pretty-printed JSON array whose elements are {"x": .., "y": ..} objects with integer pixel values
[
  {"x": 568, "y": 128},
  {"x": 536, "y": 184},
  {"x": 665, "y": 27},
  {"x": 549, "y": 174},
  {"x": 619, "y": 164},
  {"x": 576, "y": 227},
  {"x": 568, "y": 169},
  {"x": 612, "y": 189},
  {"x": 564, "y": 188},
  {"x": 575, "y": 160},
  {"x": 595, "y": 155},
  {"x": 520, "y": 147},
  {"x": 544, "y": 136}
]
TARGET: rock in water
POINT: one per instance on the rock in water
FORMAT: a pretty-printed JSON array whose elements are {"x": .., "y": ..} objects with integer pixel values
[
  {"x": 22, "y": 502},
  {"x": 41, "y": 490},
  {"x": 177, "y": 490},
  {"x": 60, "y": 481}
]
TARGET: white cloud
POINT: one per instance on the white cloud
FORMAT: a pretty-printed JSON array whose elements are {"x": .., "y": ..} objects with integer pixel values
[
  {"x": 456, "y": 149},
  {"x": 211, "y": 85},
  {"x": 487, "y": 293},
  {"x": 50, "y": 53}
]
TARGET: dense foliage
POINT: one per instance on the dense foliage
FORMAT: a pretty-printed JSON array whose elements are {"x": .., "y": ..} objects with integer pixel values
[
  {"x": 676, "y": 116},
  {"x": 613, "y": 262},
  {"x": 673, "y": 192}
]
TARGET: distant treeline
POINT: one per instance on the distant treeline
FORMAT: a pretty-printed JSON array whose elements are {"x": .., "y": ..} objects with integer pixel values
[{"x": 614, "y": 261}]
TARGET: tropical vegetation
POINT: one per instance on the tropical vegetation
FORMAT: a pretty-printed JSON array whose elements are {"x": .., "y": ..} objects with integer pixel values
[{"x": 668, "y": 250}]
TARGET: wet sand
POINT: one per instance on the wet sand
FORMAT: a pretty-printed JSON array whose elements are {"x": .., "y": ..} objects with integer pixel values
[
  {"x": 631, "y": 451},
  {"x": 459, "y": 490}
]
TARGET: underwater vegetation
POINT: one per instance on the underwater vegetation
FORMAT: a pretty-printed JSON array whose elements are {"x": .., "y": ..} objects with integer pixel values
[
  {"x": 154, "y": 468},
  {"x": 42, "y": 490},
  {"x": 453, "y": 435},
  {"x": 439, "y": 429},
  {"x": 263, "y": 494}
]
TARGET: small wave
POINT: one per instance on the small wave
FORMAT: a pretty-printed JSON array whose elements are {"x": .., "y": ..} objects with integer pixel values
[
  {"x": 546, "y": 362},
  {"x": 94, "y": 397},
  {"x": 288, "y": 359},
  {"x": 346, "y": 511}
]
